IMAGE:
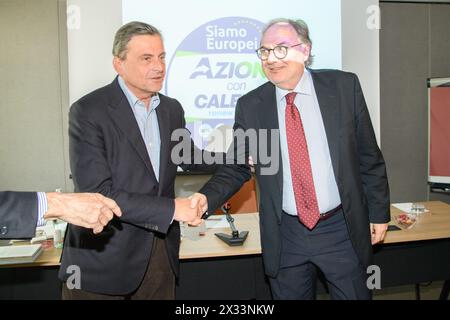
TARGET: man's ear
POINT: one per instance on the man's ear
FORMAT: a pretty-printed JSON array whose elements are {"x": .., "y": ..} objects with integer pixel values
[
  {"x": 117, "y": 64},
  {"x": 306, "y": 52}
]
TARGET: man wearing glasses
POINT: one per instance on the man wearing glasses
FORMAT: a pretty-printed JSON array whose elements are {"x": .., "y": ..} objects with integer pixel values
[{"x": 329, "y": 201}]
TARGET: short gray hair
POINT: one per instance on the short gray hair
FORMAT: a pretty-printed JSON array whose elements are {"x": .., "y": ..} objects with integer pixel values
[
  {"x": 126, "y": 32},
  {"x": 302, "y": 30}
]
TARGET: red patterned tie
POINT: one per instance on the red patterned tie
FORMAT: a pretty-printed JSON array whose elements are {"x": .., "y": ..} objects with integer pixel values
[{"x": 302, "y": 179}]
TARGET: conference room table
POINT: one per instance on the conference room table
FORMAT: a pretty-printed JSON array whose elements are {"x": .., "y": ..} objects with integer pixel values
[
  {"x": 411, "y": 256},
  {"x": 210, "y": 269}
]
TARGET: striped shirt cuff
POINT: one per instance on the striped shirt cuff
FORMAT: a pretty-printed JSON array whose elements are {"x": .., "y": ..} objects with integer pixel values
[{"x": 42, "y": 208}]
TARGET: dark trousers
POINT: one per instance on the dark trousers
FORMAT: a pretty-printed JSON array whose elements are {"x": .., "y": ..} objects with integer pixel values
[
  {"x": 158, "y": 282},
  {"x": 327, "y": 247}
]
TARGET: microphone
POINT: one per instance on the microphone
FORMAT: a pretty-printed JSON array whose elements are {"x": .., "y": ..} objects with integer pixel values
[{"x": 236, "y": 238}]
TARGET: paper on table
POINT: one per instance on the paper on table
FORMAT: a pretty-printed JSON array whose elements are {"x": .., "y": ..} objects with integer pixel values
[
  {"x": 19, "y": 252},
  {"x": 405, "y": 207},
  {"x": 217, "y": 222}
]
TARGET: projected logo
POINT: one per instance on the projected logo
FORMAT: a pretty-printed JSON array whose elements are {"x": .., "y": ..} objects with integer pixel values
[{"x": 211, "y": 68}]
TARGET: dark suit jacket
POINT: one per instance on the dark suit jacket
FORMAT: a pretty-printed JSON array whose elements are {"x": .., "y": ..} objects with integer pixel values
[
  {"x": 358, "y": 164},
  {"x": 18, "y": 214},
  {"x": 108, "y": 155}
]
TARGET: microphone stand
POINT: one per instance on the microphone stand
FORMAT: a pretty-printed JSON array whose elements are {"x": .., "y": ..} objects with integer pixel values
[{"x": 236, "y": 238}]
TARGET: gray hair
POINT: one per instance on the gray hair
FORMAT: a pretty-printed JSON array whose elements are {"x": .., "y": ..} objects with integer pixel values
[
  {"x": 302, "y": 30},
  {"x": 126, "y": 32}
]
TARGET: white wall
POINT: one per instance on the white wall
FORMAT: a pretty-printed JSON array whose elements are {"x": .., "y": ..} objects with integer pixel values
[
  {"x": 361, "y": 51},
  {"x": 90, "y": 45}
]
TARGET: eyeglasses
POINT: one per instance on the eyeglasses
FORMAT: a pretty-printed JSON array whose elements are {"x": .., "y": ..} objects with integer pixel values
[{"x": 279, "y": 52}]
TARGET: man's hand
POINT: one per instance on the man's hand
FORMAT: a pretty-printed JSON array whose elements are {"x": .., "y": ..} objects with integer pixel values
[
  {"x": 186, "y": 212},
  {"x": 378, "y": 232},
  {"x": 89, "y": 210},
  {"x": 199, "y": 200}
]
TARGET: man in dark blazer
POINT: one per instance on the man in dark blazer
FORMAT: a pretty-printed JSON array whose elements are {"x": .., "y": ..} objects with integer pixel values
[
  {"x": 120, "y": 145},
  {"x": 328, "y": 202},
  {"x": 22, "y": 212}
]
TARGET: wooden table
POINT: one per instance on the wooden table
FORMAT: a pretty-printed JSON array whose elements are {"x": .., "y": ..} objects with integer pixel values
[
  {"x": 206, "y": 246},
  {"x": 419, "y": 254},
  {"x": 210, "y": 246},
  {"x": 434, "y": 224}
]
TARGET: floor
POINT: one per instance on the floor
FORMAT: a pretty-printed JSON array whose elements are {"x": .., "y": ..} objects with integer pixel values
[{"x": 428, "y": 291}]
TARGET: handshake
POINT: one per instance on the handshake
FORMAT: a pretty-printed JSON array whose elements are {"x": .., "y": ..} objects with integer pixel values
[{"x": 191, "y": 209}]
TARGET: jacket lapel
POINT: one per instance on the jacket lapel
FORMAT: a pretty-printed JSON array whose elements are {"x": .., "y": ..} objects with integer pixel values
[
  {"x": 123, "y": 117},
  {"x": 329, "y": 108},
  {"x": 267, "y": 109},
  {"x": 163, "y": 112}
]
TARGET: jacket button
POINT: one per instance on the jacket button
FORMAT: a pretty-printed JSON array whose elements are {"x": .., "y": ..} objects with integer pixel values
[{"x": 4, "y": 230}]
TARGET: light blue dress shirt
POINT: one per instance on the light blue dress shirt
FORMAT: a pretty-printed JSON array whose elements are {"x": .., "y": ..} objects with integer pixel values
[
  {"x": 319, "y": 154},
  {"x": 42, "y": 208},
  {"x": 148, "y": 124}
]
